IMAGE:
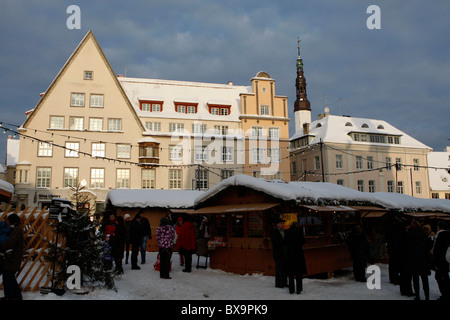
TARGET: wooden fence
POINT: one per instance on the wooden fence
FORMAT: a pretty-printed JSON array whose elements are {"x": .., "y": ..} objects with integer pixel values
[{"x": 35, "y": 271}]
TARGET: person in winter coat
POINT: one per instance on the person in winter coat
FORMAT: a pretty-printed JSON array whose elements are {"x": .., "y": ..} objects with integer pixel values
[
  {"x": 296, "y": 264},
  {"x": 279, "y": 250},
  {"x": 418, "y": 258},
  {"x": 187, "y": 240},
  {"x": 405, "y": 270},
  {"x": 12, "y": 264},
  {"x": 165, "y": 236},
  {"x": 135, "y": 240},
  {"x": 119, "y": 244},
  {"x": 146, "y": 234},
  {"x": 358, "y": 246},
  {"x": 440, "y": 247},
  {"x": 5, "y": 230},
  {"x": 127, "y": 226},
  {"x": 177, "y": 245}
]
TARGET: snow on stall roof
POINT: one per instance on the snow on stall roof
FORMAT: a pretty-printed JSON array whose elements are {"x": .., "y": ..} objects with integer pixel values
[
  {"x": 6, "y": 186},
  {"x": 317, "y": 191},
  {"x": 143, "y": 198}
]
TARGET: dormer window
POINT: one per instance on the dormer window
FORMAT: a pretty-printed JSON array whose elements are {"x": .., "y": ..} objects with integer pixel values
[
  {"x": 365, "y": 125},
  {"x": 380, "y": 127},
  {"x": 151, "y": 105},
  {"x": 219, "y": 110},
  {"x": 184, "y": 107},
  {"x": 348, "y": 124}
]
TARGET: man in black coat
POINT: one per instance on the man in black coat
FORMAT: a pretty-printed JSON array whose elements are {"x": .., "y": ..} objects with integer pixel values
[
  {"x": 296, "y": 264},
  {"x": 279, "y": 250},
  {"x": 135, "y": 240},
  {"x": 441, "y": 244}
]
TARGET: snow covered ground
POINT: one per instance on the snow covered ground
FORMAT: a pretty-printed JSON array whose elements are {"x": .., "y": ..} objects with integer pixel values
[{"x": 209, "y": 284}]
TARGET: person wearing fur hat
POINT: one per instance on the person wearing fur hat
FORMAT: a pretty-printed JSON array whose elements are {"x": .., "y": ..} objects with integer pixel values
[
  {"x": 164, "y": 236},
  {"x": 12, "y": 264}
]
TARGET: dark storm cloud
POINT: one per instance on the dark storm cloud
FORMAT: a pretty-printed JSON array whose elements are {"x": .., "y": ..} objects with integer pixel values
[{"x": 398, "y": 73}]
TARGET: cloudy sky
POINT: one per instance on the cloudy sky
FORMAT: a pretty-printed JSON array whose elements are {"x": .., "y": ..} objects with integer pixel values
[{"x": 399, "y": 73}]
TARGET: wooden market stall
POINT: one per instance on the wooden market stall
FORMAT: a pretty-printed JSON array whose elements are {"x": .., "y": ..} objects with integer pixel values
[{"x": 241, "y": 221}]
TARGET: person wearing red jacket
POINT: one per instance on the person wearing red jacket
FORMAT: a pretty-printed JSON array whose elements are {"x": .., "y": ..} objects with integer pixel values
[{"x": 187, "y": 239}]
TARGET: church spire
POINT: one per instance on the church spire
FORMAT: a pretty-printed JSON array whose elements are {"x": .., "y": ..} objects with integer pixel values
[{"x": 302, "y": 102}]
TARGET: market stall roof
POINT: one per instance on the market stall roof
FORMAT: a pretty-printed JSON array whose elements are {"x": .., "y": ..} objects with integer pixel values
[
  {"x": 305, "y": 192},
  {"x": 152, "y": 198},
  {"x": 233, "y": 208},
  {"x": 6, "y": 191}
]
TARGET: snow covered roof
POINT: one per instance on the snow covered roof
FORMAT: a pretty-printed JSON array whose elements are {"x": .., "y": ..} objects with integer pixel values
[
  {"x": 315, "y": 192},
  {"x": 153, "y": 198},
  {"x": 6, "y": 186},
  {"x": 170, "y": 91},
  {"x": 337, "y": 128}
]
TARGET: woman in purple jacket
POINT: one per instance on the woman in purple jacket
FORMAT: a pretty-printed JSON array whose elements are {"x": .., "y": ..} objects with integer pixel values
[{"x": 165, "y": 236}]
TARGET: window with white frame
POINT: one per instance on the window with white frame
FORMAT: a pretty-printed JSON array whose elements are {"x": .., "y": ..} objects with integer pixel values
[
  {"x": 76, "y": 123},
  {"x": 148, "y": 178},
  {"x": 96, "y": 101},
  {"x": 201, "y": 179},
  {"x": 98, "y": 149},
  {"x": 416, "y": 164},
  {"x": 390, "y": 186},
  {"x": 264, "y": 110},
  {"x": 70, "y": 177},
  {"x": 45, "y": 149},
  {"x": 201, "y": 153},
  {"x": 359, "y": 162},
  {"x": 398, "y": 163},
  {"x": 175, "y": 178},
  {"x": 400, "y": 187},
  {"x": 274, "y": 154},
  {"x": 77, "y": 100},
  {"x": 198, "y": 128},
  {"x": 123, "y": 151},
  {"x": 221, "y": 130},
  {"x": 388, "y": 163},
  {"x": 115, "y": 124},
  {"x": 258, "y": 155},
  {"x": 360, "y": 185},
  {"x": 153, "y": 126},
  {"x": 43, "y": 176},
  {"x": 176, "y": 127},
  {"x": 22, "y": 176},
  {"x": 97, "y": 177},
  {"x": 95, "y": 124},
  {"x": 372, "y": 186},
  {"x": 226, "y": 173},
  {"x": 418, "y": 187},
  {"x": 369, "y": 162},
  {"x": 274, "y": 133},
  {"x": 123, "y": 178},
  {"x": 316, "y": 163},
  {"x": 175, "y": 152},
  {"x": 257, "y": 132},
  {"x": 227, "y": 154},
  {"x": 88, "y": 75},
  {"x": 72, "y": 149},
  {"x": 339, "y": 164},
  {"x": 56, "y": 122}
]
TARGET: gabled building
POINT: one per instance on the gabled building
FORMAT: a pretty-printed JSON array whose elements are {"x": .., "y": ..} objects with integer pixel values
[
  {"x": 363, "y": 154},
  {"x": 95, "y": 129}
]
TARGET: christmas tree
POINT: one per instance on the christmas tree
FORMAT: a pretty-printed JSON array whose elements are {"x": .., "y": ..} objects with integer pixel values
[{"x": 84, "y": 245}]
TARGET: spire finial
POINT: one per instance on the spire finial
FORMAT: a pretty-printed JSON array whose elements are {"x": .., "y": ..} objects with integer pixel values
[{"x": 298, "y": 45}]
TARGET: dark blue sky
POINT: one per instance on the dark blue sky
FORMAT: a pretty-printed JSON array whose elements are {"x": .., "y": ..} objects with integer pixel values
[{"x": 400, "y": 73}]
